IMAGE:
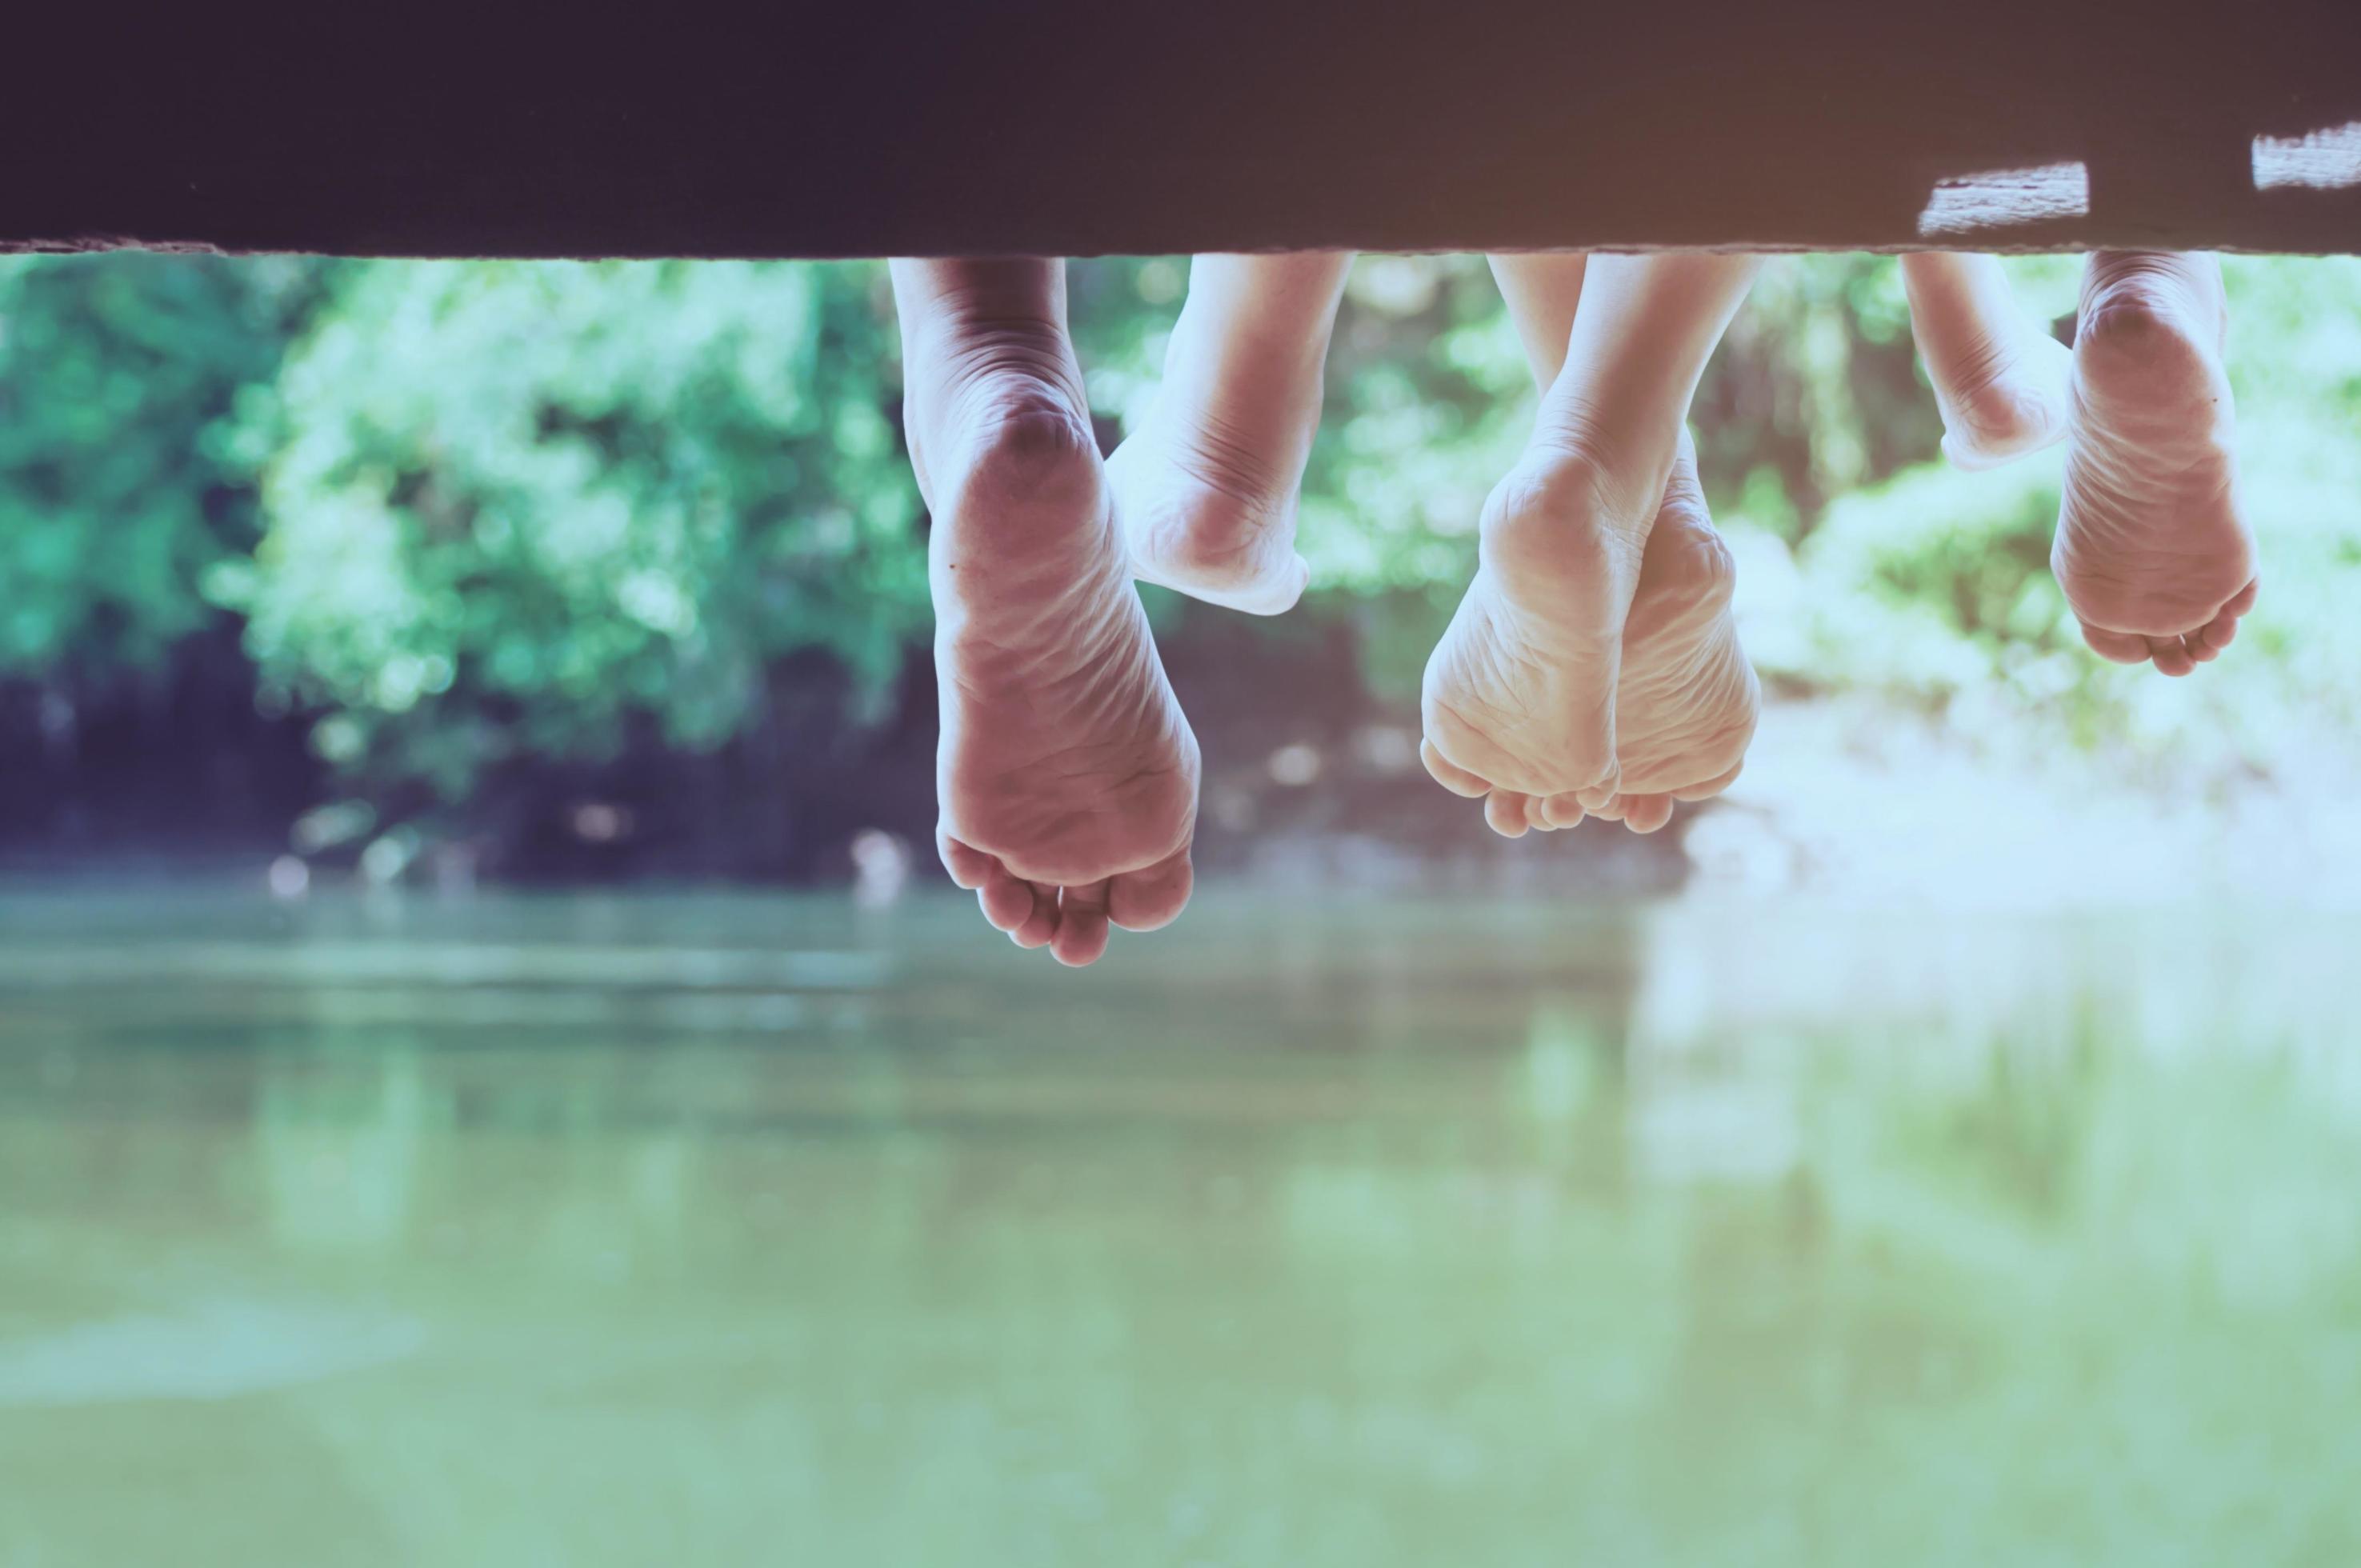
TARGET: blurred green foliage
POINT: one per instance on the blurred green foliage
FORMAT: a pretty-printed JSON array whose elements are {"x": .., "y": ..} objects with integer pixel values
[
  {"x": 121, "y": 379},
  {"x": 1932, "y": 585},
  {"x": 514, "y": 506},
  {"x": 477, "y": 512}
]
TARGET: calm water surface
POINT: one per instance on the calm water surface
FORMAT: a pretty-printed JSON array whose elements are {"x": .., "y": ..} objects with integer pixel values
[{"x": 748, "y": 1229}]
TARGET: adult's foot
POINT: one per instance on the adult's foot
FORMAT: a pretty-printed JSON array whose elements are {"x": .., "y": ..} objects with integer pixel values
[
  {"x": 1574, "y": 680},
  {"x": 2152, "y": 549},
  {"x": 1066, "y": 772},
  {"x": 1999, "y": 379},
  {"x": 1206, "y": 488}
]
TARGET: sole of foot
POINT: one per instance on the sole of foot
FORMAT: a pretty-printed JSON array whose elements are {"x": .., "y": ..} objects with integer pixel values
[
  {"x": 1203, "y": 517},
  {"x": 2152, "y": 549},
  {"x": 1594, "y": 668},
  {"x": 1067, "y": 774}
]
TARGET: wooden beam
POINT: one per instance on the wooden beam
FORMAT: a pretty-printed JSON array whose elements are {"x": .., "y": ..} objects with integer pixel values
[{"x": 1065, "y": 128}]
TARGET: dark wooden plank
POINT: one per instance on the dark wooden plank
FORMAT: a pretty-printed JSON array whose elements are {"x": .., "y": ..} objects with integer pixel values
[{"x": 1065, "y": 128}]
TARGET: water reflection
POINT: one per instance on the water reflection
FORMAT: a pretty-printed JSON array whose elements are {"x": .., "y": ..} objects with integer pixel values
[{"x": 775, "y": 1230}]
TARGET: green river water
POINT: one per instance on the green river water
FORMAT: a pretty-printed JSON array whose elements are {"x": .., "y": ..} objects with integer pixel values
[{"x": 738, "y": 1229}]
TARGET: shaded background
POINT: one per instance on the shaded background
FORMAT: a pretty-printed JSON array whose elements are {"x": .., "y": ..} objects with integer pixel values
[{"x": 544, "y": 571}]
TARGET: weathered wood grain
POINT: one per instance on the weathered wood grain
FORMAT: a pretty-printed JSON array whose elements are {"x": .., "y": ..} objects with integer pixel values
[{"x": 1063, "y": 128}]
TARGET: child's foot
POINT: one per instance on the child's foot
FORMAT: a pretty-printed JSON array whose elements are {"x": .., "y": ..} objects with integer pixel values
[
  {"x": 1206, "y": 489},
  {"x": 1999, "y": 379},
  {"x": 1593, "y": 665},
  {"x": 2151, "y": 551}
]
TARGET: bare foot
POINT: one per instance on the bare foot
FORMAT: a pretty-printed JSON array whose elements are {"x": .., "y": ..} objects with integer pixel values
[
  {"x": 1066, "y": 775},
  {"x": 1550, "y": 698},
  {"x": 1206, "y": 488},
  {"x": 1999, "y": 377},
  {"x": 2152, "y": 552},
  {"x": 1686, "y": 701},
  {"x": 1207, "y": 514}
]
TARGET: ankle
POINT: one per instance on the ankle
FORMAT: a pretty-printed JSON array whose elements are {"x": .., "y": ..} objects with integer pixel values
[
  {"x": 971, "y": 366},
  {"x": 1574, "y": 470},
  {"x": 1998, "y": 402},
  {"x": 1257, "y": 409},
  {"x": 1560, "y": 520},
  {"x": 1245, "y": 460}
]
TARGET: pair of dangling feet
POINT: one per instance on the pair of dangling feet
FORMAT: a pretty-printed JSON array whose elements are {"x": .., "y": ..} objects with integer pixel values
[{"x": 1593, "y": 667}]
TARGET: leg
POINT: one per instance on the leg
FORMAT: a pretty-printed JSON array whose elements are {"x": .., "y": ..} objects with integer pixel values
[
  {"x": 1542, "y": 289},
  {"x": 2152, "y": 549},
  {"x": 1068, "y": 776},
  {"x": 1999, "y": 379},
  {"x": 1521, "y": 696},
  {"x": 1206, "y": 488}
]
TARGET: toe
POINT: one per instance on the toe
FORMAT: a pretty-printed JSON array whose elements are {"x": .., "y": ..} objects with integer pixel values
[
  {"x": 2170, "y": 656},
  {"x": 2122, "y": 647},
  {"x": 970, "y": 869},
  {"x": 1647, "y": 813},
  {"x": 1450, "y": 774},
  {"x": 1603, "y": 793},
  {"x": 1007, "y": 902},
  {"x": 1712, "y": 787},
  {"x": 2207, "y": 643},
  {"x": 1505, "y": 810},
  {"x": 1148, "y": 899},
  {"x": 1082, "y": 926},
  {"x": 2220, "y": 632},
  {"x": 1041, "y": 923},
  {"x": 1562, "y": 810}
]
